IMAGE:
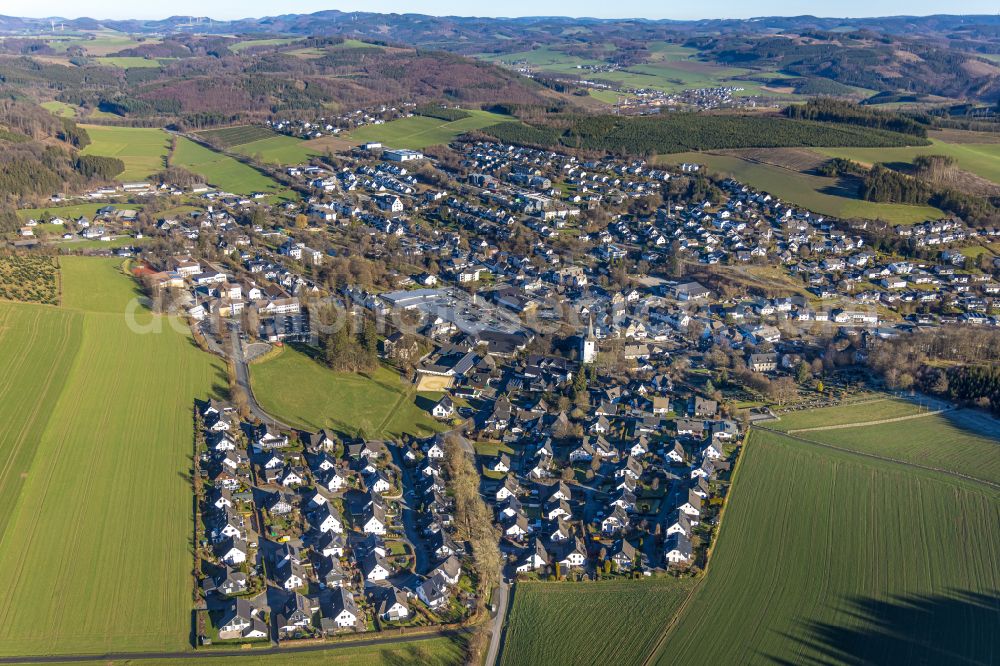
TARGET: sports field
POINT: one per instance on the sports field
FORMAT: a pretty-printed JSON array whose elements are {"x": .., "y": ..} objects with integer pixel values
[
  {"x": 143, "y": 150},
  {"x": 826, "y": 196},
  {"x": 303, "y": 393},
  {"x": 96, "y": 445},
  {"x": 607, "y": 622},
  {"x": 220, "y": 170},
  {"x": 419, "y": 132},
  {"x": 829, "y": 557}
]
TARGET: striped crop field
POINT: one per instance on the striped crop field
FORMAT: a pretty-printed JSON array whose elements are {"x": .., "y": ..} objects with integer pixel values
[
  {"x": 957, "y": 441},
  {"x": 863, "y": 412},
  {"x": 96, "y": 455},
  {"x": 607, "y": 622},
  {"x": 827, "y": 557}
]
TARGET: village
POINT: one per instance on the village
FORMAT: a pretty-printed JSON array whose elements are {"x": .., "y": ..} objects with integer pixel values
[{"x": 601, "y": 333}]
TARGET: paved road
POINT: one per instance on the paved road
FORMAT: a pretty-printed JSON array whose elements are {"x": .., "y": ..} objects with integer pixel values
[
  {"x": 421, "y": 564},
  {"x": 243, "y": 377},
  {"x": 503, "y": 596},
  {"x": 211, "y": 654}
]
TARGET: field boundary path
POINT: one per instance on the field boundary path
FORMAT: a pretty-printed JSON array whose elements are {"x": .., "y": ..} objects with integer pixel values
[
  {"x": 875, "y": 456},
  {"x": 862, "y": 424},
  {"x": 499, "y": 635},
  {"x": 211, "y": 654}
]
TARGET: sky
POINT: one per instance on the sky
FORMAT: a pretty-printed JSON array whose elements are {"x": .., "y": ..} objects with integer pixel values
[{"x": 653, "y": 9}]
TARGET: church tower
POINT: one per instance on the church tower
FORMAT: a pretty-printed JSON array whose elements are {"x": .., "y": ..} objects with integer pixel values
[{"x": 588, "y": 344}]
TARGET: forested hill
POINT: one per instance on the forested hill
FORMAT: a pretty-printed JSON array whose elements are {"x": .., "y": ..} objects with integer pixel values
[
  {"x": 458, "y": 32},
  {"x": 203, "y": 78},
  {"x": 683, "y": 132},
  {"x": 38, "y": 156}
]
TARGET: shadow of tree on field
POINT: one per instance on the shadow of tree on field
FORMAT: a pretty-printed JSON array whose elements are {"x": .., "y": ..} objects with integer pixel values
[{"x": 960, "y": 628}]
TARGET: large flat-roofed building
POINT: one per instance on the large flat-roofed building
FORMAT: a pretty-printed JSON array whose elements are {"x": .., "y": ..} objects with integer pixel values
[{"x": 402, "y": 155}]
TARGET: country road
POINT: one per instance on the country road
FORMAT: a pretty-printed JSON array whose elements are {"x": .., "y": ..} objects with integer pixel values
[{"x": 496, "y": 639}]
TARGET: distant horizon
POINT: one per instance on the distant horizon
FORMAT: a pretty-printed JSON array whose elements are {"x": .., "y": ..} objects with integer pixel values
[{"x": 106, "y": 10}]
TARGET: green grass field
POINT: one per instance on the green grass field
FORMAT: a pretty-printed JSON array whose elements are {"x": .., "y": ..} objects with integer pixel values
[
  {"x": 607, "y": 622},
  {"x": 67, "y": 212},
  {"x": 143, "y": 150},
  {"x": 418, "y": 132},
  {"x": 304, "y": 393},
  {"x": 828, "y": 557},
  {"x": 61, "y": 109},
  {"x": 237, "y": 135},
  {"x": 250, "y": 43},
  {"x": 671, "y": 68},
  {"x": 982, "y": 159},
  {"x": 278, "y": 149},
  {"x": 108, "y": 42},
  {"x": 95, "y": 539},
  {"x": 430, "y": 651},
  {"x": 955, "y": 441},
  {"x": 864, "y": 412},
  {"x": 262, "y": 144},
  {"x": 806, "y": 190},
  {"x": 127, "y": 62},
  {"x": 220, "y": 170}
]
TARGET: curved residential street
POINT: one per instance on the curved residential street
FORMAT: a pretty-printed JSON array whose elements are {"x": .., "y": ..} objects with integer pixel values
[{"x": 243, "y": 378}]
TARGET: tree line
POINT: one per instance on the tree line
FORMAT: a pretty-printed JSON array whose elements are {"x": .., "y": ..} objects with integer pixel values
[
  {"x": 839, "y": 111},
  {"x": 682, "y": 132}
]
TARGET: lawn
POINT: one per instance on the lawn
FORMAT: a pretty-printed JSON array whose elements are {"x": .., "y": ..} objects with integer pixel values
[
  {"x": 982, "y": 159},
  {"x": 95, "y": 551},
  {"x": 829, "y": 557},
  {"x": 419, "y": 132},
  {"x": 607, "y": 622},
  {"x": 301, "y": 392},
  {"x": 142, "y": 149},
  {"x": 864, "y": 412},
  {"x": 220, "y": 170},
  {"x": 817, "y": 193}
]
